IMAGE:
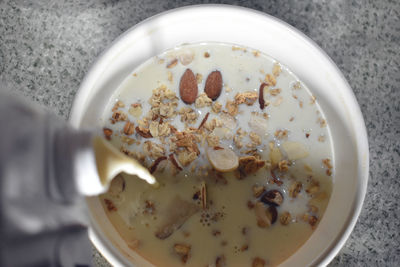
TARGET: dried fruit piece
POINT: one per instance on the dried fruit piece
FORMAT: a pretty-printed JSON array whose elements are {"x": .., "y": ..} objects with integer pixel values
[
  {"x": 203, "y": 121},
  {"x": 272, "y": 197},
  {"x": 223, "y": 160},
  {"x": 107, "y": 133},
  {"x": 153, "y": 166},
  {"x": 258, "y": 262},
  {"x": 188, "y": 87},
  {"x": 295, "y": 150},
  {"x": 213, "y": 85},
  {"x": 261, "y": 95}
]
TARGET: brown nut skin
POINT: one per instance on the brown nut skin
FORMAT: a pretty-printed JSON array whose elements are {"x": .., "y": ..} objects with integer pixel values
[
  {"x": 272, "y": 197},
  {"x": 188, "y": 87},
  {"x": 213, "y": 85}
]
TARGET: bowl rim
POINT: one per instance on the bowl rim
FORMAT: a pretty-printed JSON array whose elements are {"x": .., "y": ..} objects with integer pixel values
[{"x": 100, "y": 64}]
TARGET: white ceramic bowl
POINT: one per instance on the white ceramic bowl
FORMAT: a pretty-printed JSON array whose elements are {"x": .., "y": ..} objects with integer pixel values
[{"x": 220, "y": 23}]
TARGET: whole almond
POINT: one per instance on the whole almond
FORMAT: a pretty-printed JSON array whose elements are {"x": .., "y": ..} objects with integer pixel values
[
  {"x": 213, "y": 86},
  {"x": 188, "y": 87}
]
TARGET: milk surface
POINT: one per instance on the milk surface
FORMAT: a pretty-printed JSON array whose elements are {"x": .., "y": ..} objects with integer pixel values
[{"x": 228, "y": 226}]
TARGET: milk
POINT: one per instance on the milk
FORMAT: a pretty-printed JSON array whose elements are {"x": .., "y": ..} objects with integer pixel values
[{"x": 293, "y": 109}]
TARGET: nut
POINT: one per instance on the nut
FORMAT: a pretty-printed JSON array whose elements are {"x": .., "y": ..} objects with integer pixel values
[
  {"x": 223, "y": 160},
  {"x": 144, "y": 132},
  {"x": 188, "y": 87},
  {"x": 272, "y": 197},
  {"x": 129, "y": 128},
  {"x": 213, "y": 85},
  {"x": 263, "y": 220}
]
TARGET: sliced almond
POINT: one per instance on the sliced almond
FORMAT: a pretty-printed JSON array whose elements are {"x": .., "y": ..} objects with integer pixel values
[
  {"x": 295, "y": 150},
  {"x": 275, "y": 155},
  {"x": 223, "y": 159},
  {"x": 258, "y": 124},
  {"x": 188, "y": 87},
  {"x": 263, "y": 220},
  {"x": 213, "y": 85}
]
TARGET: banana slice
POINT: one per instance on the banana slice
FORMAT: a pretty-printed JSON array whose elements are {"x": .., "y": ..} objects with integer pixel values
[{"x": 222, "y": 158}]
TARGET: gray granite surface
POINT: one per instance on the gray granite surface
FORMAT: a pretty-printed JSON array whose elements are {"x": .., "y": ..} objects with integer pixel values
[{"x": 46, "y": 47}]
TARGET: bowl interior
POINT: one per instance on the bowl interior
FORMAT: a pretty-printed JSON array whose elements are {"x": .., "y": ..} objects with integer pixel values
[{"x": 277, "y": 39}]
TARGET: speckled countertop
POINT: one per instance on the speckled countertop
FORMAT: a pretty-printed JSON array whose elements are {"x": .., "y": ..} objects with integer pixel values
[{"x": 46, "y": 47}]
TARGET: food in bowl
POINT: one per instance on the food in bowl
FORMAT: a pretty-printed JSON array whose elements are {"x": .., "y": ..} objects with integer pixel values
[{"x": 240, "y": 147}]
